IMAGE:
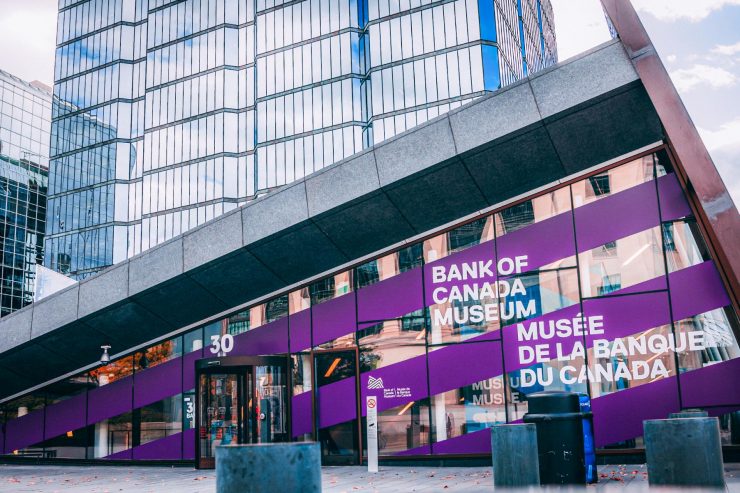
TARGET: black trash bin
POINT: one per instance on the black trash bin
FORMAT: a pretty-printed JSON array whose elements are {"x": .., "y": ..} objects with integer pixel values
[{"x": 559, "y": 422}]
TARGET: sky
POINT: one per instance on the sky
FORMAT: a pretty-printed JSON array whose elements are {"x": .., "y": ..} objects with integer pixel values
[{"x": 698, "y": 41}]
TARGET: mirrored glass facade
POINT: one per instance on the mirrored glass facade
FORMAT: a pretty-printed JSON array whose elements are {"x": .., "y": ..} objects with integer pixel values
[
  {"x": 25, "y": 119},
  {"x": 170, "y": 113}
]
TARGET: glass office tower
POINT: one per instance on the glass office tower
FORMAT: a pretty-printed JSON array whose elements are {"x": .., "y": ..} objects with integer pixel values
[
  {"x": 170, "y": 113},
  {"x": 25, "y": 118}
]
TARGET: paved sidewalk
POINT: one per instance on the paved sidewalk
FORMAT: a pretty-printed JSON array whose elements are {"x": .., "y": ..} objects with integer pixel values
[{"x": 112, "y": 479}]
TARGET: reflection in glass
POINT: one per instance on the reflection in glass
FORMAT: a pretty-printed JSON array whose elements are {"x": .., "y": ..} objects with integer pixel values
[
  {"x": 468, "y": 409},
  {"x": 615, "y": 180},
  {"x": 622, "y": 263},
  {"x": 716, "y": 329},
  {"x": 532, "y": 211},
  {"x": 684, "y": 245}
]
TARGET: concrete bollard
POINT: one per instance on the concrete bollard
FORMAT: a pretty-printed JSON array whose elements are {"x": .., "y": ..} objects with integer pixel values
[
  {"x": 515, "y": 459},
  {"x": 684, "y": 452},
  {"x": 267, "y": 468},
  {"x": 689, "y": 413}
]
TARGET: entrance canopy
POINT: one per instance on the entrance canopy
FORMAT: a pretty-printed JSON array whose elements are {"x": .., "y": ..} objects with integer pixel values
[{"x": 557, "y": 123}]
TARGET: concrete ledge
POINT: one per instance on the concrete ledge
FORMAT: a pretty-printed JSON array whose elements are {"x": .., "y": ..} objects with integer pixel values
[
  {"x": 684, "y": 452},
  {"x": 268, "y": 468},
  {"x": 109, "y": 288}
]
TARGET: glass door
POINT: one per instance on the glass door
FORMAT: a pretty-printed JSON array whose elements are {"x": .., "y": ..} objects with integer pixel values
[
  {"x": 241, "y": 400},
  {"x": 220, "y": 414},
  {"x": 339, "y": 442}
]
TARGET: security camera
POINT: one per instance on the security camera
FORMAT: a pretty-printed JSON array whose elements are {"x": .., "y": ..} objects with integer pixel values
[{"x": 105, "y": 357}]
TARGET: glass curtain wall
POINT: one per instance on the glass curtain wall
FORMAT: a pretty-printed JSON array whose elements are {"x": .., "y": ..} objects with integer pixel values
[{"x": 170, "y": 113}]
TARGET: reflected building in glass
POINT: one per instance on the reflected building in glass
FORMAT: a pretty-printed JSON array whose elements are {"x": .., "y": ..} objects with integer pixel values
[
  {"x": 25, "y": 117},
  {"x": 170, "y": 113}
]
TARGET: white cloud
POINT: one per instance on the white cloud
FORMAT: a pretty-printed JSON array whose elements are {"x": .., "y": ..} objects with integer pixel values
[
  {"x": 724, "y": 146},
  {"x": 28, "y": 37},
  {"x": 686, "y": 79},
  {"x": 671, "y": 58},
  {"x": 727, "y": 50},
  {"x": 579, "y": 26},
  {"x": 726, "y": 138},
  {"x": 673, "y": 10}
]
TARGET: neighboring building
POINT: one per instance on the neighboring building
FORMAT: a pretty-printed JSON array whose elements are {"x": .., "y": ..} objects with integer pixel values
[
  {"x": 171, "y": 113},
  {"x": 25, "y": 118},
  {"x": 449, "y": 272}
]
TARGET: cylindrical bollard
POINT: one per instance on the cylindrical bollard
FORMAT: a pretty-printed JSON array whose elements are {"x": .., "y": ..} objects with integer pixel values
[
  {"x": 266, "y": 468},
  {"x": 684, "y": 452},
  {"x": 560, "y": 446},
  {"x": 515, "y": 461},
  {"x": 689, "y": 413}
]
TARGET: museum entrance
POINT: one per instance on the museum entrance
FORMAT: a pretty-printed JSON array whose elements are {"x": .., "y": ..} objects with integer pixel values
[{"x": 241, "y": 400}]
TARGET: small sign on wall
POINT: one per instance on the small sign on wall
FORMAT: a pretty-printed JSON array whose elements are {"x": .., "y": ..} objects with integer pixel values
[{"x": 372, "y": 433}]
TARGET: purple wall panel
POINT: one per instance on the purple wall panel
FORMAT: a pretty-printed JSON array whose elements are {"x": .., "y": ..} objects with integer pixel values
[
  {"x": 402, "y": 383},
  {"x": 188, "y": 370},
  {"x": 423, "y": 450},
  {"x": 122, "y": 455},
  {"x": 481, "y": 361},
  {"x": 167, "y": 448},
  {"x": 334, "y": 318},
  {"x": 391, "y": 298},
  {"x": 109, "y": 400},
  {"x": 619, "y": 416},
  {"x": 673, "y": 204},
  {"x": 337, "y": 402},
  {"x": 483, "y": 252},
  {"x": 529, "y": 241},
  {"x": 696, "y": 290},
  {"x": 478, "y": 442},
  {"x": 628, "y": 315},
  {"x": 302, "y": 414},
  {"x": 24, "y": 431},
  {"x": 511, "y": 344},
  {"x": 188, "y": 444},
  {"x": 64, "y": 416},
  {"x": 715, "y": 385},
  {"x": 300, "y": 331},
  {"x": 154, "y": 384},
  {"x": 268, "y": 339},
  {"x": 629, "y": 212}
]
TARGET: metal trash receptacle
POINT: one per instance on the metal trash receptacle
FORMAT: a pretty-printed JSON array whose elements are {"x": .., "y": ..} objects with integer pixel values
[{"x": 559, "y": 422}]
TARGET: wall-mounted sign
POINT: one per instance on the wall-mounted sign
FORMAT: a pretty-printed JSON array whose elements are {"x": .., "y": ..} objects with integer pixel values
[{"x": 371, "y": 403}]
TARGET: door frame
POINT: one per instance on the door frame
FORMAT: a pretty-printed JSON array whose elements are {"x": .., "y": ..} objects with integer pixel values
[
  {"x": 358, "y": 456},
  {"x": 240, "y": 366}
]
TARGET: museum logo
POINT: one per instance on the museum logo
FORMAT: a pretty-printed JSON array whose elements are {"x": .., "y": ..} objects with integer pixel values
[{"x": 374, "y": 383}]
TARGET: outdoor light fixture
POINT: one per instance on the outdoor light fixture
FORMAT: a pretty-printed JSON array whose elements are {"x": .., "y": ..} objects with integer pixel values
[{"x": 105, "y": 357}]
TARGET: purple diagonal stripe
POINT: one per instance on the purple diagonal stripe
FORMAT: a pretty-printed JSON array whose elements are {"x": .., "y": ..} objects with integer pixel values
[
  {"x": 619, "y": 416},
  {"x": 302, "y": 414},
  {"x": 696, "y": 290},
  {"x": 391, "y": 298},
  {"x": 300, "y": 331},
  {"x": 622, "y": 214},
  {"x": 543, "y": 242},
  {"x": 477, "y": 442},
  {"x": 654, "y": 284},
  {"x": 459, "y": 365},
  {"x": 673, "y": 204},
  {"x": 627, "y": 315},
  {"x": 64, "y": 416},
  {"x": 188, "y": 444},
  {"x": 484, "y": 252},
  {"x": 154, "y": 384},
  {"x": 715, "y": 385},
  {"x": 122, "y": 455},
  {"x": 167, "y": 448},
  {"x": 24, "y": 431},
  {"x": 109, "y": 400},
  {"x": 410, "y": 374},
  {"x": 511, "y": 343},
  {"x": 334, "y": 318},
  {"x": 422, "y": 450},
  {"x": 337, "y": 402},
  {"x": 271, "y": 338},
  {"x": 188, "y": 369}
]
